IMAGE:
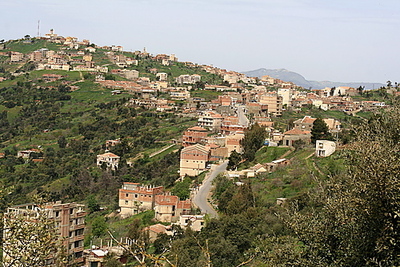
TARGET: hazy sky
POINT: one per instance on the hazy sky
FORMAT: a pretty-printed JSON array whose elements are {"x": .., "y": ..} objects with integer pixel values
[{"x": 341, "y": 40}]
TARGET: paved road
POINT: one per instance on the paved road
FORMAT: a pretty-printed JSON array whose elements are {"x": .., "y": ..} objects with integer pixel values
[
  {"x": 200, "y": 199},
  {"x": 242, "y": 117}
]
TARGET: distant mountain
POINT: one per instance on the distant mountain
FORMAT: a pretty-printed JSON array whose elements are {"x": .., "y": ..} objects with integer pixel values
[{"x": 290, "y": 76}]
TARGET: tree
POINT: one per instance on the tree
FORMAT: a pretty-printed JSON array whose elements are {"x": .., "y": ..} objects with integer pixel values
[
  {"x": 355, "y": 218},
  {"x": 234, "y": 160},
  {"x": 92, "y": 203},
  {"x": 332, "y": 92},
  {"x": 62, "y": 142},
  {"x": 320, "y": 131},
  {"x": 181, "y": 189},
  {"x": 111, "y": 261},
  {"x": 360, "y": 89},
  {"x": 253, "y": 140},
  {"x": 31, "y": 239},
  {"x": 99, "y": 226}
]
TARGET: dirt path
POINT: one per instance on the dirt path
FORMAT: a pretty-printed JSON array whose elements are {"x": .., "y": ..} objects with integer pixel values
[
  {"x": 160, "y": 151},
  {"x": 287, "y": 153}
]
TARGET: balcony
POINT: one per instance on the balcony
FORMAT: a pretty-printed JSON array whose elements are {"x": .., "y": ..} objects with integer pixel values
[
  {"x": 78, "y": 249},
  {"x": 76, "y": 238},
  {"x": 76, "y": 227}
]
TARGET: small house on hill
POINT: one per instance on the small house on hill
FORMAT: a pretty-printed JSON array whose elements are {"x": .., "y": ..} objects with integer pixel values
[
  {"x": 110, "y": 160},
  {"x": 324, "y": 148},
  {"x": 295, "y": 134}
]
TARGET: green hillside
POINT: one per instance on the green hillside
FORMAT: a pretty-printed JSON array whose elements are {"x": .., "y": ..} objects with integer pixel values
[{"x": 342, "y": 210}]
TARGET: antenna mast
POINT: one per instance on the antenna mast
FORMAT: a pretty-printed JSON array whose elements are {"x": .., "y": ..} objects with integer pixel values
[{"x": 38, "y": 28}]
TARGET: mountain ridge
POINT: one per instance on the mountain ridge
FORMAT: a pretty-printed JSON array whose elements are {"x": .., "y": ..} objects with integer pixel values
[{"x": 298, "y": 79}]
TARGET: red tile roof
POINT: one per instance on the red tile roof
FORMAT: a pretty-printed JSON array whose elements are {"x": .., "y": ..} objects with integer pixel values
[{"x": 296, "y": 132}]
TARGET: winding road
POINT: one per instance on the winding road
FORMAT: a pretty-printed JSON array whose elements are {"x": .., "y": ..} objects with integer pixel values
[
  {"x": 242, "y": 117},
  {"x": 200, "y": 198}
]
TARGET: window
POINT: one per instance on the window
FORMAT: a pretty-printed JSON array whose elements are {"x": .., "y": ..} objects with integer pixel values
[
  {"x": 126, "y": 202},
  {"x": 71, "y": 211},
  {"x": 126, "y": 195},
  {"x": 78, "y": 254},
  {"x": 78, "y": 232}
]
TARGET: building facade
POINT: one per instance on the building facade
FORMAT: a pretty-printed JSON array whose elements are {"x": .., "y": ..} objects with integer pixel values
[
  {"x": 69, "y": 222},
  {"x": 194, "y": 135},
  {"x": 324, "y": 148},
  {"x": 168, "y": 208},
  {"x": 194, "y": 160},
  {"x": 135, "y": 198}
]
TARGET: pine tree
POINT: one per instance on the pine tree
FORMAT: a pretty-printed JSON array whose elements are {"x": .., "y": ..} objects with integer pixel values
[
  {"x": 320, "y": 131},
  {"x": 253, "y": 140}
]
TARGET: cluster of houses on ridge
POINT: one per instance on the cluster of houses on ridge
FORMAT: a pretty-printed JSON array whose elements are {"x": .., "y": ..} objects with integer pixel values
[{"x": 249, "y": 91}]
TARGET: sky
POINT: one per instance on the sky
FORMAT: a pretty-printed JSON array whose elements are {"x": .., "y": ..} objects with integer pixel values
[{"x": 323, "y": 40}]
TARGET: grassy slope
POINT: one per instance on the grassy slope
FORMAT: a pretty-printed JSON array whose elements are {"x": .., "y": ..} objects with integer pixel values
[
  {"x": 303, "y": 172},
  {"x": 22, "y": 47}
]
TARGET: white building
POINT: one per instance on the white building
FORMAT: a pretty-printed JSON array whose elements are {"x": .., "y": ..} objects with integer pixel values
[
  {"x": 324, "y": 148},
  {"x": 196, "y": 222},
  {"x": 286, "y": 95},
  {"x": 109, "y": 159}
]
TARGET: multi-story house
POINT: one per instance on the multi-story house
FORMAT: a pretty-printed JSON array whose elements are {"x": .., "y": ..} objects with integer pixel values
[
  {"x": 274, "y": 102},
  {"x": 110, "y": 160},
  {"x": 193, "y": 136},
  {"x": 188, "y": 79},
  {"x": 69, "y": 221},
  {"x": 194, "y": 160},
  {"x": 162, "y": 76},
  {"x": 135, "y": 198},
  {"x": 16, "y": 56},
  {"x": 306, "y": 124},
  {"x": 168, "y": 208},
  {"x": 286, "y": 94},
  {"x": 233, "y": 142},
  {"x": 211, "y": 120},
  {"x": 195, "y": 222}
]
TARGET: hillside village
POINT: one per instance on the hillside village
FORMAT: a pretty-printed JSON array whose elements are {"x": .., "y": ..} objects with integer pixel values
[{"x": 148, "y": 130}]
